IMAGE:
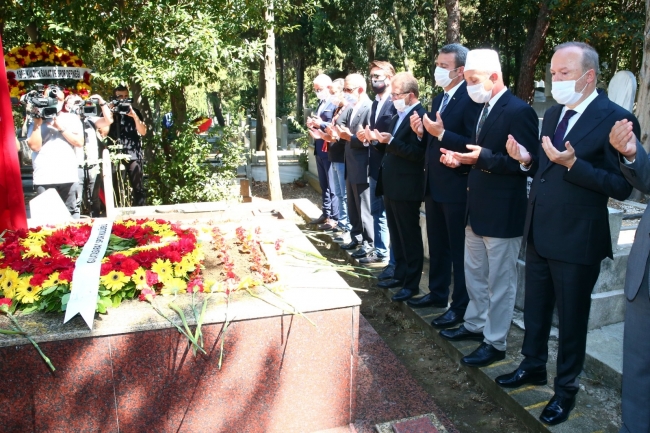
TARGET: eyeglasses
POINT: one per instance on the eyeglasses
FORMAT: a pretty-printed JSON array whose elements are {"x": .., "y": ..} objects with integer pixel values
[
  {"x": 393, "y": 95},
  {"x": 346, "y": 90}
]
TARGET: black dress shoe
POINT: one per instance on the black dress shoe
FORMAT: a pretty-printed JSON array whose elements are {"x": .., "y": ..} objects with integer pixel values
[
  {"x": 329, "y": 224},
  {"x": 521, "y": 377},
  {"x": 483, "y": 356},
  {"x": 449, "y": 318},
  {"x": 387, "y": 273},
  {"x": 389, "y": 284},
  {"x": 320, "y": 220},
  {"x": 426, "y": 301},
  {"x": 404, "y": 294},
  {"x": 361, "y": 252},
  {"x": 350, "y": 246},
  {"x": 461, "y": 333},
  {"x": 557, "y": 410}
]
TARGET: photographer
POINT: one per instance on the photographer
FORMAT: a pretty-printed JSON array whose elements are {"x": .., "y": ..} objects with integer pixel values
[
  {"x": 129, "y": 129},
  {"x": 88, "y": 155},
  {"x": 53, "y": 140}
]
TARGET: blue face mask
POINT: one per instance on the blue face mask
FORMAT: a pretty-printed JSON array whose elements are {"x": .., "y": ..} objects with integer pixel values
[{"x": 350, "y": 98}]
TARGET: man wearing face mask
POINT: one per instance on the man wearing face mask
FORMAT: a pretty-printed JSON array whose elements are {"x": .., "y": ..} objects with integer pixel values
[
  {"x": 567, "y": 224},
  {"x": 54, "y": 160},
  {"x": 496, "y": 208},
  {"x": 330, "y": 215},
  {"x": 356, "y": 167},
  {"x": 449, "y": 125},
  {"x": 401, "y": 182},
  {"x": 381, "y": 114}
]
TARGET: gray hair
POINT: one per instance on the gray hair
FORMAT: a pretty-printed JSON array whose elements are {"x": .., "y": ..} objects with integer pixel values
[
  {"x": 323, "y": 80},
  {"x": 460, "y": 53},
  {"x": 357, "y": 80},
  {"x": 589, "y": 55}
]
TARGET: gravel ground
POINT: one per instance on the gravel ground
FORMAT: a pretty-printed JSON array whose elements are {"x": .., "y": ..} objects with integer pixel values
[{"x": 294, "y": 190}]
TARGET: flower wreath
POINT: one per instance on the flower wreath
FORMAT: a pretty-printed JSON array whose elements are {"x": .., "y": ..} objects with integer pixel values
[
  {"x": 36, "y": 265},
  {"x": 44, "y": 54}
]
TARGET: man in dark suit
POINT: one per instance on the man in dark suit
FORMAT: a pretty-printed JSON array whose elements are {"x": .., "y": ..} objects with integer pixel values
[
  {"x": 450, "y": 125},
  {"x": 381, "y": 114},
  {"x": 635, "y": 166},
  {"x": 567, "y": 222},
  {"x": 496, "y": 208},
  {"x": 330, "y": 214},
  {"x": 356, "y": 167},
  {"x": 401, "y": 181}
]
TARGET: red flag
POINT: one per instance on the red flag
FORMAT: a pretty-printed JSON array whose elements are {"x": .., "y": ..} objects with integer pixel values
[{"x": 12, "y": 201}]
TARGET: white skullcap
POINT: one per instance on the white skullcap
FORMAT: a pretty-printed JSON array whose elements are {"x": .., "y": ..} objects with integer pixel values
[{"x": 483, "y": 60}]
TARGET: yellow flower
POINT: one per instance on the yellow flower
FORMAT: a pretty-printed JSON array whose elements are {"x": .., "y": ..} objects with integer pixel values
[
  {"x": 174, "y": 286},
  {"x": 139, "y": 277},
  {"x": 183, "y": 267},
  {"x": 210, "y": 286},
  {"x": 163, "y": 268},
  {"x": 52, "y": 280},
  {"x": 9, "y": 283},
  {"x": 248, "y": 282},
  {"x": 34, "y": 251},
  {"x": 26, "y": 293},
  {"x": 114, "y": 280}
]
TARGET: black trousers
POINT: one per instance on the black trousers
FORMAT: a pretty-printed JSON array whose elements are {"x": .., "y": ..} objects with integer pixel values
[
  {"x": 359, "y": 213},
  {"x": 403, "y": 219},
  {"x": 446, "y": 236},
  {"x": 569, "y": 285}
]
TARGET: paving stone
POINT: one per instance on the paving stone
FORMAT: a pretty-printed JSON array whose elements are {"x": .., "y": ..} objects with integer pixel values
[{"x": 419, "y": 425}]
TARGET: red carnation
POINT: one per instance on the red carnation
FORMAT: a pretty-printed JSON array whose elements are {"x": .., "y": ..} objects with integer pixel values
[
  {"x": 196, "y": 285},
  {"x": 23, "y": 52},
  {"x": 122, "y": 263},
  {"x": 152, "y": 278},
  {"x": 146, "y": 293},
  {"x": 38, "y": 279},
  {"x": 5, "y": 302},
  {"x": 66, "y": 276},
  {"x": 11, "y": 75},
  {"x": 86, "y": 77}
]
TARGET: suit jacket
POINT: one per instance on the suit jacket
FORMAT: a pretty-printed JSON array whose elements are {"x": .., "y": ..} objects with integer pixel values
[
  {"x": 336, "y": 150},
  {"x": 356, "y": 154},
  {"x": 381, "y": 124},
  {"x": 401, "y": 176},
  {"x": 326, "y": 116},
  {"x": 445, "y": 184},
  {"x": 638, "y": 174},
  {"x": 568, "y": 208},
  {"x": 496, "y": 189}
]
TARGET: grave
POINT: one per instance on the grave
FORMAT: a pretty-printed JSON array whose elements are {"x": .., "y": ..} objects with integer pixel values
[{"x": 135, "y": 372}]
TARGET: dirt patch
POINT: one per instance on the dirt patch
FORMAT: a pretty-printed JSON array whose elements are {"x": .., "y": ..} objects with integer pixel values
[{"x": 294, "y": 190}]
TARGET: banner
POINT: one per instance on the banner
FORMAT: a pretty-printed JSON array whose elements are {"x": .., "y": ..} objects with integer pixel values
[
  {"x": 49, "y": 73},
  {"x": 13, "y": 215},
  {"x": 85, "y": 278}
]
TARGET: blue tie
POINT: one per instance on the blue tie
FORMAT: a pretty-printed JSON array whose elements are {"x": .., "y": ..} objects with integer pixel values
[
  {"x": 445, "y": 101},
  {"x": 560, "y": 132}
]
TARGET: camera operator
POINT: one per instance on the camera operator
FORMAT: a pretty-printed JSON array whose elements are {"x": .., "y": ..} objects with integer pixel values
[
  {"x": 129, "y": 128},
  {"x": 88, "y": 155},
  {"x": 53, "y": 141}
]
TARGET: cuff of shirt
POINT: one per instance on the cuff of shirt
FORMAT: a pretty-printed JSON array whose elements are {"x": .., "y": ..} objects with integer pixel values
[{"x": 441, "y": 135}]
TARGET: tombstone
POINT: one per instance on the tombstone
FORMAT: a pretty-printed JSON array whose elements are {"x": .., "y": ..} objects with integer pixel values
[
  {"x": 284, "y": 137},
  {"x": 48, "y": 208},
  {"x": 622, "y": 89},
  {"x": 278, "y": 132},
  {"x": 548, "y": 81},
  {"x": 253, "y": 139}
]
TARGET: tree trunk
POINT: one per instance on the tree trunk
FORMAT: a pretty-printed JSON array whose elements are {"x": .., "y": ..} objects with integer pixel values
[
  {"x": 281, "y": 82},
  {"x": 259, "y": 133},
  {"x": 371, "y": 47},
  {"x": 434, "y": 42},
  {"x": 268, "y": 108},
  {"x": 453, "y": 21},
  {"x": 643, "y": 100},
  {"x": 32, "y": 32},
  {"x": 400, "y": 37},
  {"x": 300, "y": 88},
  {"x": 179, "y": 105},
  {"x": 141, "y": 102},
  {"x": 534, "y": 46}
]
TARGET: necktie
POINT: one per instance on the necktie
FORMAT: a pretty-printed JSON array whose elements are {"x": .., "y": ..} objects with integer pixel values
[
  {"x": 445, "y": 101},
  {"x": 484, "y": 115},
  {"x": 560, "y": 132}
]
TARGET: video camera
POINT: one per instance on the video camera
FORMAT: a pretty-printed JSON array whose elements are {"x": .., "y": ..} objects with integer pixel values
[
  {"x": 91, "y": 108},
  {"x": 41, "y": 104},
  {"x": 121, "y": 106}
]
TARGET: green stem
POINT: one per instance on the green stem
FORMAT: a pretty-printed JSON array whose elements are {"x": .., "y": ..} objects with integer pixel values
[
  {"x": 31, "y": 340},
  {"x": 181, "y": 330}
]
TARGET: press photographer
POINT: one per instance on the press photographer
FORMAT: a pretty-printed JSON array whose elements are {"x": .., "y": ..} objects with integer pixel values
[
  {"x": 53, "y": 137},
  {"x": 129, "y": 129}
]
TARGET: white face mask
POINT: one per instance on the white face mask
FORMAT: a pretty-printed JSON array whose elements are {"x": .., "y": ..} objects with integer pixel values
[
  {"x": 478, "y": 93},
  {"x": 323, "y": 94},
  {"x": 350, "y": 98},
  {"x": 399, "y": 104},
  {"x": 442, "y": 76},
  {"x": 564, "y": 92}
]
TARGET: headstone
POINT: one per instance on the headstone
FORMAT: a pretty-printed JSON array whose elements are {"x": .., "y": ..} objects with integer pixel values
[
  {"x": 48, "y": 208},
  {"x": 548, "y": 81},
  {"x": 622, "y": 89},
  {"x": 278, "y": 131},
  {"x": 284, "y": 137}
]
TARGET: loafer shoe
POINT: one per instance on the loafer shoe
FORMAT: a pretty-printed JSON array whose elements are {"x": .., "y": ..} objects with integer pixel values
[
  {"x": 328, "y": 225},
  {"x": 461, "y": 333},
  {"x": 521, "y": 377},
  {"x": 373, "y": 259},
  {"x": 426, "y": 301},
  {"x": 361, "y": 252},
  {"x": 389, "y": 284},
  {"x": 557, "y": 410},
  {"x": 483, "y": 356},
  {"x": 404, "y": 294},
  {"x": 320, "y": 220},
  {"x": 447, "y": 319},
  {"x": 350, "y": 245},
  {"x": 387, "y": 273}
]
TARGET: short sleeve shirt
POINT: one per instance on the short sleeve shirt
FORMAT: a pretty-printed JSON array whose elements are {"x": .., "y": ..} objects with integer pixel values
[{"x": 56, "y": 162}]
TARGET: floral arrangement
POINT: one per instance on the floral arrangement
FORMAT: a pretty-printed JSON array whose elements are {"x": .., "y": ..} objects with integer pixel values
[
  {"x": 143, "y": 256},
  {"x": 44, "y": 54}
]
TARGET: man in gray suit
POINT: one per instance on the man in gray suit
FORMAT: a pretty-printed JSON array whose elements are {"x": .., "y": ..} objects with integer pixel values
[
  {"x": 635, "y": 166},
  {"x": 357, "y": 167}
]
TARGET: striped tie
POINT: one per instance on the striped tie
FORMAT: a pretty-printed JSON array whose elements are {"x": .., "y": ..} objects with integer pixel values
[
  {"x": 445, "y": 101},
  {"x": 484, "y": 115}
]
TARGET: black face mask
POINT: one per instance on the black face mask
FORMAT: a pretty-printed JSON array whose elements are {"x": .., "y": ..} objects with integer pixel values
[{"x": 378, "y": 86}]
